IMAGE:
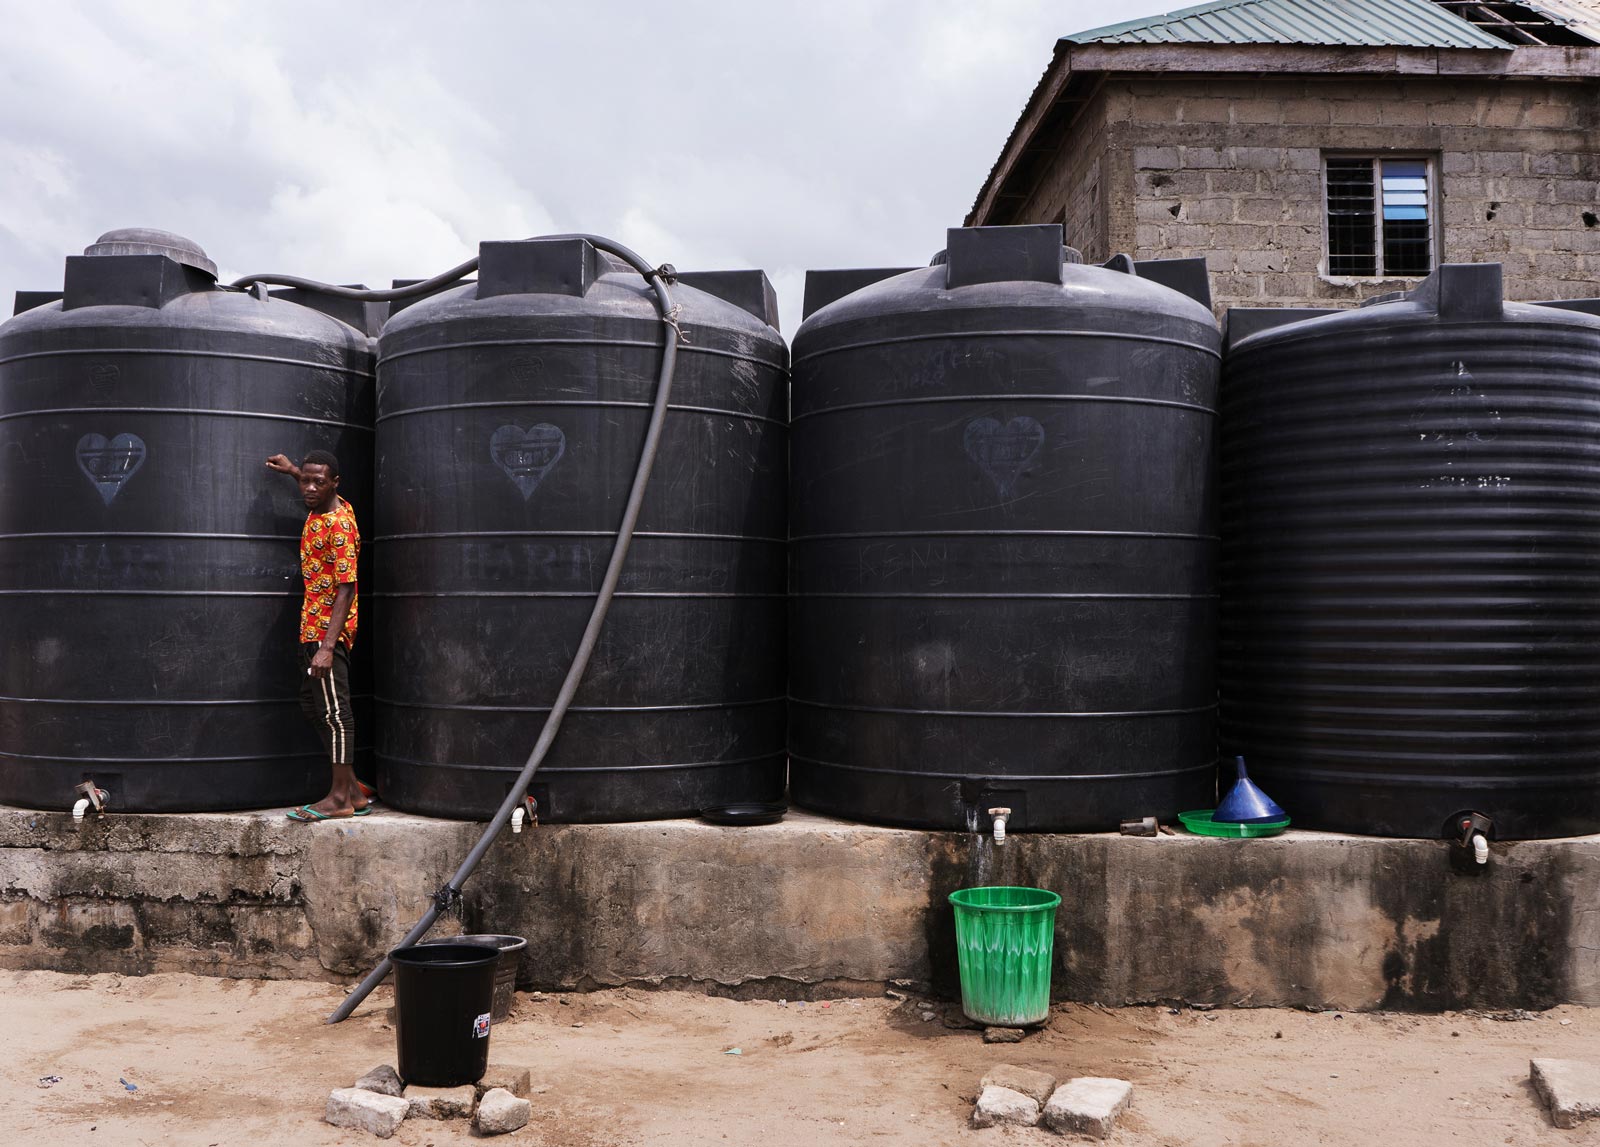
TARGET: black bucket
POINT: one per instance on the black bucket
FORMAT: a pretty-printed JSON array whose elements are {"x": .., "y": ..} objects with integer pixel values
[
  {"x": 443, "y": 995},
  {"x": 505, "y": 972}
]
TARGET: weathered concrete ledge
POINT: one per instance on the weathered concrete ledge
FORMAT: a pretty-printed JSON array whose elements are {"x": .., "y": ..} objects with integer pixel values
[{"x": 810, "y": 906}]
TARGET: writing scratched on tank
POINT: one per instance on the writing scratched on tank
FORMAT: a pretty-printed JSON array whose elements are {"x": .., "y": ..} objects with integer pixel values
[
  {"x": 112, "y": 563},
  {"x": 1455, "y": 413},
  {"x": 565, "y": 564},
  {"x": 886, "y": 561}
]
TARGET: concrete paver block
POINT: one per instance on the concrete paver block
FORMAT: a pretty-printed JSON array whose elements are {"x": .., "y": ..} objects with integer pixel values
[
  {"x": 1570, "y": 1088},
  {"x": 441, "y": 1102},
  {"x": 383, "y": 1079},
  {"x": 1037, "y": 1085},
  {"x": 499, "y": 1112},
  {"x": 1000, "y": 1106},
  {"x": 509, "y": 1077},
  {"x": 1088, "y": 1105},
  {"x": 365, "y": 1111}
]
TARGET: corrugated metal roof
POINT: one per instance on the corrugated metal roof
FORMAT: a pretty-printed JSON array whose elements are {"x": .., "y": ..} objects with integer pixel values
[
  {"x": 1353, "y": 23},
  {"x": 1582, "y": 16}
]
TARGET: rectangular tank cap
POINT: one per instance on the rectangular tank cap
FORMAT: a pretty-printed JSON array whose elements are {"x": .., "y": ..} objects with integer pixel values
[
  {"x": 537, "y": 267},
  {"x": 1186, "y": 276},
  {"x": 1029, "y": 254},
  {"x": 748, "y": 290},
  {"x": 28, "y": 300},
  {"x": 128, "y": 281},
  {"x": 1586, "y": 306},
  {"x": 368, "y": 318},
  {"x": 1462, "y": 291},
  {"x": 1242, "y": 322},
  {"x": 824, "y": 287},
  {"x": 398, "y": 305}
]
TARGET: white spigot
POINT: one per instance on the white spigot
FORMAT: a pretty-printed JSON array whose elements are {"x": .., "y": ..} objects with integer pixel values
[
  {"x": 1480, "y": 848},
  {"x": 999, "y": 815},
  {"x": 516, "y": 818},
  {"x": 92, "y": 797}
]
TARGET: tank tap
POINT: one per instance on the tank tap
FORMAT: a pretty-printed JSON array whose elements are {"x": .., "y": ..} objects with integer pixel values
[
  {"x": 90, "y": 798},
  {"x": 1472, "y": 832},
  {"x": 527, "y": 811},
  {"x": 999, "y": 815}
]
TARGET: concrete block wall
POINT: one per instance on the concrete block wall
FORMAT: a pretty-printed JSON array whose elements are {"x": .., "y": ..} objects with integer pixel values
[
  {"x": 1231, "y": 169},
  {"x": 812, "y": 907},
  {"x": 1081, "y": 183}
]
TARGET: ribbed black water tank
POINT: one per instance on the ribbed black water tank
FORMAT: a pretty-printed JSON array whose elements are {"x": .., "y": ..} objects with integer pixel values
[
  {"x": 511, "y": 413},
  {"x": 1003, "y": 543},
  {"x": 1411, "y": 543},
  {"x": 149, "y": 577}
]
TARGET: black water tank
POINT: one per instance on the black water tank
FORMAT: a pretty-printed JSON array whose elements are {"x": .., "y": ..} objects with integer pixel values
[
  {"x": 1411, "y": 557},
  {"x": 149, "y": 577},
  {"x": 1003, "y": 543},
  {"x": 511, "y": 413}
]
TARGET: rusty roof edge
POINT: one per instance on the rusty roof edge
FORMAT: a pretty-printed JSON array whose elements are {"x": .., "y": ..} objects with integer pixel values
[
  {"x": 1353, "y": 23},
  {"x": 1524, "y": 60},
  {"x": 1059, "y": 71}
]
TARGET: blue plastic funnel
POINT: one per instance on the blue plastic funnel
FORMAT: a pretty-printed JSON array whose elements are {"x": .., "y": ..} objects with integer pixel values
[{"x": 1246, "y": 804}]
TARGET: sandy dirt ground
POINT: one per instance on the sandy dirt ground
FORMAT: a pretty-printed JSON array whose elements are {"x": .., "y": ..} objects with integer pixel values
[{"x": 220, "y": 1062}]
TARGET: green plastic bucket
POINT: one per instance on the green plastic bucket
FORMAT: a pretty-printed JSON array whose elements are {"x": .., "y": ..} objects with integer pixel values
[{"x": 1004, "y": 941}]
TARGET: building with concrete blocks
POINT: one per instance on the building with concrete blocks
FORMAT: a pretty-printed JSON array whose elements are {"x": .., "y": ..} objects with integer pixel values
[{"x": 1316, "y": 152}]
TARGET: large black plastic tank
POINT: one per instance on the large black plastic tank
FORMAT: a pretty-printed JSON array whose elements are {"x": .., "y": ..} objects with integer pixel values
[
  {"x": 149, "y": 571},
  {"x": 511, "y": 413},
  {"x": 1411, "y": 561},
  {"x": 1003, "y": 543}
]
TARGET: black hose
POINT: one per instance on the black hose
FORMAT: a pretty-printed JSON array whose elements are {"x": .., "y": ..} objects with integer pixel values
[{"x": 451, "y": 890}]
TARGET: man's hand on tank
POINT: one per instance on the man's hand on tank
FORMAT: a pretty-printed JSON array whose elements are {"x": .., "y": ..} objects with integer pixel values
[
  {"x": 321, "y": 662},
  {"x": 282, "y": 465}
]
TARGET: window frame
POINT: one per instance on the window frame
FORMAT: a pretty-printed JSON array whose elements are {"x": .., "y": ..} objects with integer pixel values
[{"x": 1431, "y": 169}]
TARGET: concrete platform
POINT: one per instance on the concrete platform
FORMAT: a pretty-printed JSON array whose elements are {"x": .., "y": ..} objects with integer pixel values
[{"x": 813, "y": 907}]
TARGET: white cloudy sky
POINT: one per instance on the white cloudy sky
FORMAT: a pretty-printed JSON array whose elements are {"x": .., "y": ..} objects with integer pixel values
[{"x": 362, "y": 141}]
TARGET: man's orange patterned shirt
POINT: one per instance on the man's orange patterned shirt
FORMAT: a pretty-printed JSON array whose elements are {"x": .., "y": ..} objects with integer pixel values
[{"x": 329, "y": 547}]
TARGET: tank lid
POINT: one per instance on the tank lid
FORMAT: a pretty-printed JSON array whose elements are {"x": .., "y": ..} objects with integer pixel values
[
  {"x": 29, "y": 300},
  {"x": 750, "y": 291},
  {"x": 829, "y": 286},
  {"x": 1186, "y": 276},
  {"x": 941, "y": 258},
  {"x": 1462, "y": 291},
  {"x": 1030, "y": 254},
  {"x": 1583, "y": 306},
  {"x": 149, "y": 241},
  {"x": 368, "y": 318},
  {"x": 537, "y": 267}
]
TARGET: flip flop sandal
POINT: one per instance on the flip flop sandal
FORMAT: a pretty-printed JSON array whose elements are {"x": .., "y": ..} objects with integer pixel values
[
  {"x": 305, "y": 814},
  {"x": 365, "y": 810}
]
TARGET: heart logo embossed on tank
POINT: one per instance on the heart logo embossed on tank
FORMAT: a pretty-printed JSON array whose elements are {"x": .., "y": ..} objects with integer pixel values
[
  {"x": 528, "y": 455},
  {"x": 110, "y": 463},
  {"x": 1003, "y": 450},
  {"x": 103, "y": 376}
]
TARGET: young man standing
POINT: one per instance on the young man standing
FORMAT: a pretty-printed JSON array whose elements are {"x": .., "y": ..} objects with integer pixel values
[{"x": 329, "y": 547}]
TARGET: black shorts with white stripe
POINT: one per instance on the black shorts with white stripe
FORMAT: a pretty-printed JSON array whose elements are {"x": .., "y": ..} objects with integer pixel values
[{"x": 325, "y": 701}]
